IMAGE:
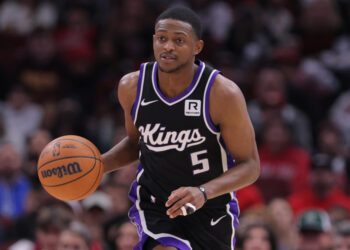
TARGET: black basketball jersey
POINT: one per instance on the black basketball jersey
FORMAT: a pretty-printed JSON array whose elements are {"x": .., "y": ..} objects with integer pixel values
[{"x": 179, "y": 144}]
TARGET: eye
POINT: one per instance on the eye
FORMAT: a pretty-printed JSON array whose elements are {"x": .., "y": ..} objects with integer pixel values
[
  {"x": 161, "y": 38},
  {"x": 180, "y": 40}
]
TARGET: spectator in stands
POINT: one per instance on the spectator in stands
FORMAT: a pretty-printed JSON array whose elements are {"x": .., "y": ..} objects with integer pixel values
[
  {"x": 318, "y": 23},
  {"x": 329, "y": 139},
  {"x": 21, "y": 17},
  {"x": 283, "y": 164},
  {"x": 339, "y": 114},
  {"x": 40, "y": 69},
  {"x": 50, "y": 222},
  {"x": 75, "y": 42},
  {"x": 14, "y": 187},
  {"x": 322, "y": 193},
  {"x": 331, "y": 142},
  {"x": 69, "y": 117},
  {"x": 278, "y": 20},
  {"x": 259, "y": 236},
  {"x": 126, "y": 237},
  {"x": 281, "y": 217},
  {"x": 119, "y": 198},
  {"x": 271, "y": 102},
  {"x": 20, "y": 115},
  {"x": 75, "y": 237},
  {"x": 35, "y": 143},
  {"x": 341, "y": 236},
  {"x": 337, "y": 214},
  {"x": 250, "y": 197},
  {"x": 314, "y": 229},
  {"x": 96, "y": 210}
]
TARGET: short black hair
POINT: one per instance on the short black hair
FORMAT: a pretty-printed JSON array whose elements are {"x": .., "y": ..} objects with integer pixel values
[{"x": 183, "y": 14}]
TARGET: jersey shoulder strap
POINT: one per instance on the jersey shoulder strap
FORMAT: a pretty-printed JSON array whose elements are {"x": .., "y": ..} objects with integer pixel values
[{"x": 145, "y": 73}]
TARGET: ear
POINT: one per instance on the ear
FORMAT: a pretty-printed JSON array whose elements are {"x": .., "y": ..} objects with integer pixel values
[{"x": 198, "y": 47}]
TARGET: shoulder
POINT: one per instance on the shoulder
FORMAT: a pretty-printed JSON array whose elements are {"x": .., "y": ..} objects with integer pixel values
[
  {"x": 127, "y": 89},
  {"x": 225, "y": 88},
  {"x": 129, "y": 81},
  {"x": 225, "y": 97}
]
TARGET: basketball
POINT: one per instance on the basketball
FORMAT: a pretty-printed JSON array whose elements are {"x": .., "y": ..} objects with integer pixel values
[{"x": 70, "y": 168}]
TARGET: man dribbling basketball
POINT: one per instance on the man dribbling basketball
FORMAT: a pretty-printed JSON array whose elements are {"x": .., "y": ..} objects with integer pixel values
[{"x": 189, "y": 127}]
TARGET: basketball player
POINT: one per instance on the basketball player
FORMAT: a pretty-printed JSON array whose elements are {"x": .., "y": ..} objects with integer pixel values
[{"x": 188, "y": 125}]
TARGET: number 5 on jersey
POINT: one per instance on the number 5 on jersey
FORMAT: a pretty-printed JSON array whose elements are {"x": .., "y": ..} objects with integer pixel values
[{"x": 196, "y": 161}]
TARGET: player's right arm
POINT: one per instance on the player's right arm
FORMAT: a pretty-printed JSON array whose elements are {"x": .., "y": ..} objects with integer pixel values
[{"x": 126, "y": 151}]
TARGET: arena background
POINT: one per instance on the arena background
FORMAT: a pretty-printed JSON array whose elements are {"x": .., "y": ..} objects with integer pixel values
[{"x": 60, "y": 63}]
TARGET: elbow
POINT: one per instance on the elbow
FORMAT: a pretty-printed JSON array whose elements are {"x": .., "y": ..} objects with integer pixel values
[{"x": 255, "y": 170}]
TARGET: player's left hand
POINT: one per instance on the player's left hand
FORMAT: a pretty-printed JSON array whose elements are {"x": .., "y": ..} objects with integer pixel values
[{"x": 182, "y": 196}]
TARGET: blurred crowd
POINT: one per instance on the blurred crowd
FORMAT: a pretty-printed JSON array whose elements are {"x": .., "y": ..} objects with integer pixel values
[{"x": 60, "y": 63}]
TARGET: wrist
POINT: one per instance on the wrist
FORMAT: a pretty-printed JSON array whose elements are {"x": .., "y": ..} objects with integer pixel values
[{"x": 204, "y": 192}]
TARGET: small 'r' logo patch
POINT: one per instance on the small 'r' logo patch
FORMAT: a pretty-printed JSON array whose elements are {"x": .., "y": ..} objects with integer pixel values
[{"x": 192, "y": 107}]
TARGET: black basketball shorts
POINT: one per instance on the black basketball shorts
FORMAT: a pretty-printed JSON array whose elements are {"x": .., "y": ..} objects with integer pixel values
[{"x": 207, "y": 228}]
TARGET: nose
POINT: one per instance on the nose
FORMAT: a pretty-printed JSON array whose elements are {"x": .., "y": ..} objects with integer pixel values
[{"x": 169, "y": 46}]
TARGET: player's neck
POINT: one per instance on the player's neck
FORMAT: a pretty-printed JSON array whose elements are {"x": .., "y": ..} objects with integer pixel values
[{"x": 173, "y": 84}]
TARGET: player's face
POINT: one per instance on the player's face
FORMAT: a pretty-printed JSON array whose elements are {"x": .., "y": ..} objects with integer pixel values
[{"x": 175, "y": 45}]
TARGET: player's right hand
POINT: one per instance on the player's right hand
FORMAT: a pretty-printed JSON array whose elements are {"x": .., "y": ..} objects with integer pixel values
[{"x": 180, "y": 197}]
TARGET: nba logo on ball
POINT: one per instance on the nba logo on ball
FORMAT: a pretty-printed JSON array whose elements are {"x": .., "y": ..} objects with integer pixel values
[
  {"x": 72, "y": 170},
  {"x": 56, "y": 149}
]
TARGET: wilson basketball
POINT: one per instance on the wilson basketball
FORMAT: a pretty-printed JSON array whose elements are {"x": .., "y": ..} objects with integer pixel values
[{"x": 70, "y": 168}]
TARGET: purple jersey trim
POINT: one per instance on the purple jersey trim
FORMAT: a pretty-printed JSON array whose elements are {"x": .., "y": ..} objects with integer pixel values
[
  {"x": 171, "y": 100},
  {"x": 133, "y": 192},
  {"x": 230, "y": 159},
  {"x": 137, "y": 100},
  {"x": 233, "y": 211},
  {"x": 134, "y": 216},
  {"x": 207, "y": 115},
  {"x": 234, "y": 205}
]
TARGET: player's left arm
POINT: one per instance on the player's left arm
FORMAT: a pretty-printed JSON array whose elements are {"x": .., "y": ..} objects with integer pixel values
[{"x": 228, "y": 110}]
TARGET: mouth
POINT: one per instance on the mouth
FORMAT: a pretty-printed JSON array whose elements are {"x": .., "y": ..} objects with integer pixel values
[{"x": 166, "y": 57}]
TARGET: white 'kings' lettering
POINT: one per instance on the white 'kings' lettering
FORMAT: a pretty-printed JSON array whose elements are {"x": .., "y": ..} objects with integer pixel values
[{"x": 158, "y": 139}]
